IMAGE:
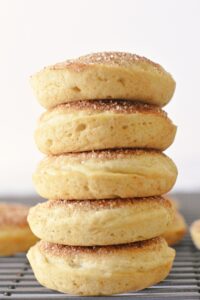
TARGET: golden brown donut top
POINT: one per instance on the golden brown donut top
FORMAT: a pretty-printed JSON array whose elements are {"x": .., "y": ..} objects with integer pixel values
[
  {"x": 13, "y": 214},
  {"x": 114, "y": 105},
  {"x": 63, "y": 250},
  {"x": 116, "y": 59},
  {"x": 108, "y": 203}
]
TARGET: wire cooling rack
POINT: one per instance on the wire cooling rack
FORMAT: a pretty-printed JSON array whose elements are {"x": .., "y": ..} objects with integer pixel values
[{"x": 18, "y": 282}]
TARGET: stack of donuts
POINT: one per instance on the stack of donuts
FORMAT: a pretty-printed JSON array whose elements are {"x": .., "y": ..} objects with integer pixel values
[{"x": 104, "y": 175}]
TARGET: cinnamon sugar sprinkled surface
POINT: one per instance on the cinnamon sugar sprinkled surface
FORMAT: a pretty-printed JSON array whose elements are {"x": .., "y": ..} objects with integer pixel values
[
  {"x": 63, "y": 250},
  {"x": 117, "y": 106},
  {"x": 107, "y": 58},
  {"x": 107, "y": 154},
  {"x": 13, "y": 214},
  {"x": 106, "y": 203}
]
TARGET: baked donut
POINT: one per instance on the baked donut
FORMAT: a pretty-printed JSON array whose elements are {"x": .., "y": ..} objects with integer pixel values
[
  {"x": 103, "y": 124},
  {"x": 104, "y": 75},
  {"x": 176, "y": 231},
  {"x": 100, "y": 222},
  {"x": 105, "y": 175},
  {"x": 101, "y": 270},
  {"x": 15, "y": 234},
  {"x": 195, "y": 233}
]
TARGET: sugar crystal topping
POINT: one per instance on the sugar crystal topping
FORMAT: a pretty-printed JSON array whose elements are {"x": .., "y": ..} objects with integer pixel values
[
  {"x": 90, "y": 205},
  {"x": 106, "y": 58},
  {"x": 115, "y": 105},
  {"x": 63, "y": 250},
  {"x": 13, "y": 214}
]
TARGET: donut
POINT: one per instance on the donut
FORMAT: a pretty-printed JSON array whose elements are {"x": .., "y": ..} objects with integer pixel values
[
  {"x": 105, "y": 175},
  {"x": 100, "y": 222},
  {"x": 195, "y": 233},
  {"x": 15, "y": 234},
  {"x": 103, "y": 124},
  {"x": 104, "y": 75},
  {"x": 101, "y": 270},
  {"x": 176, "y": 231}
]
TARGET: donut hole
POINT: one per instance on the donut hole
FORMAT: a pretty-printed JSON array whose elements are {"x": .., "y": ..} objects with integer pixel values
[
  {"x": 76, "y": 89},
  {"x": 81, "y": 127}
]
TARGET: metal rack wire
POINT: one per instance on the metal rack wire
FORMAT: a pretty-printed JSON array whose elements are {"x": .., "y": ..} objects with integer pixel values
[{"x": 18, "y": 282}]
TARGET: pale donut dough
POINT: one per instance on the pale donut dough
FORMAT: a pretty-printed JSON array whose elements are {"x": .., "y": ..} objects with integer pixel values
[
  {"x": 105, "y": 175},
  {"x": 103, "y": 124},
  {"x": 106, "y": 75},
  {"x": 101, "y": 270},
  {"x": 101, "y": 222}
]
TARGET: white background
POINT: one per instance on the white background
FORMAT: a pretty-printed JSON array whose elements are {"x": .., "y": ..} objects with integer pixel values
[{"x": 37, "y": 33}]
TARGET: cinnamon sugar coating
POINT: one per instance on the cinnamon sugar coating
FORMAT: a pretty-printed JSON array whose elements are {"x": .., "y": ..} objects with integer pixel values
[
  {"x": 109, "y": 154},
  {"x": 114, "y": 105},
  {"x": 106, "y": 203},
  {"x": 105, "y": 58},
  {"x": 62, "y": 250},
  {"x": 13, "y": 214}
]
